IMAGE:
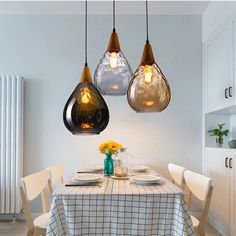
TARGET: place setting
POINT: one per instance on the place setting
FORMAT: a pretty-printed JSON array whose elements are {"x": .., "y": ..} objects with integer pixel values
[
  {"x": 85, "y": 179},
  {"x": 138, "y": 168},
  {"x": 92, "y": 169},
  {"x": 146, "y": 179}
]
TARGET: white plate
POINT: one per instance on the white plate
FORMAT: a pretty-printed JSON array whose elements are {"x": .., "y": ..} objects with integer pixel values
[
  {"x": 91, "y": 169},
  {"x": 87, "y": 177},
  {"x": 138, "y": 168},
  {"x": 96, "y": 168},
  {"x": 146, "y": 178},
  {"x": 122, "y": 178}
]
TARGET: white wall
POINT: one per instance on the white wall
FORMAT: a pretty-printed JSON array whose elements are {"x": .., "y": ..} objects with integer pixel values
[{"x": 49, "y": 52}]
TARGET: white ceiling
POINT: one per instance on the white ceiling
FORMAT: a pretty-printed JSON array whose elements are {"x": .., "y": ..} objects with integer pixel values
[{"x": 103, "y": 7}]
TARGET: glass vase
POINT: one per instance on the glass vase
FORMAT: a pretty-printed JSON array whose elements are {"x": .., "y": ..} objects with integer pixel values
[
  {"x": 219, "y": 142},
  {"x": 108, "y": 165},
  {"x": 121, "y": 163}
]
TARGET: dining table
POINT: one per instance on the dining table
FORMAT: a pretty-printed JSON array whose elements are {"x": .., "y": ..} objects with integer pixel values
[{"x": 120, "y": 207}]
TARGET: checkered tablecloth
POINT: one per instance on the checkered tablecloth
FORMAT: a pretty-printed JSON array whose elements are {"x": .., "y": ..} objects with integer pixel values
[{"x": 120, "y": 208}]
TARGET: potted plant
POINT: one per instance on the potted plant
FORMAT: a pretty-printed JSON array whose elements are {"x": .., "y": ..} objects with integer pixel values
[{"x": 219, "y": 133}]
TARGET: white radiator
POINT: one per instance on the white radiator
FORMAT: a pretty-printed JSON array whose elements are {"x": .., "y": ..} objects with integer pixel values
[{"x": 11, "y": 143}]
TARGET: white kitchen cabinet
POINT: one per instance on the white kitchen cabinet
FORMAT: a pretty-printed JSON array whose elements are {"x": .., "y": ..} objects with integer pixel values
[
  {"x": 218, "y": 69},
  {"x": 220, "y": 167}
]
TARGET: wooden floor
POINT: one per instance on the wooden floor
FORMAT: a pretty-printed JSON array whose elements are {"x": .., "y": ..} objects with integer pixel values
[{"x": 19, "y": 229}]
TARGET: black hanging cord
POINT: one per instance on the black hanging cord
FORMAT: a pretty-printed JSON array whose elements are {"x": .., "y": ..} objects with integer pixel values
[
  {"x": 147, "y": 41},
  {"x": 114, "y": 16},
  {"x": 86, "y": 36}
]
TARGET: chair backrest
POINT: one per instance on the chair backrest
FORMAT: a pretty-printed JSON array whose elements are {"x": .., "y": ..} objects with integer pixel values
[
  {"x": 34, "y": 184},
  {"x": 56, "y": 175},
  {"x": 31, "y": 187},
  {"x": 201, "y": 187},
  {"x": 198, "y": 184},
  {"x": 177, "y": 174}
]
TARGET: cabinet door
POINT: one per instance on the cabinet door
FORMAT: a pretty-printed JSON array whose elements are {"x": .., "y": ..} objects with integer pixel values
[
  {"x": 219, "y": 214},
  {"x": 218, "y": 67}
]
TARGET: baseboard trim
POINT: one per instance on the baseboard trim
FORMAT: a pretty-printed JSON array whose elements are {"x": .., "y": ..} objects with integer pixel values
[
  {"x": 20, "y": 216},
  {"x": 12, "y": 217},
  {"x": 212, "y": 221},
  {"x": 217, "y": 225}
]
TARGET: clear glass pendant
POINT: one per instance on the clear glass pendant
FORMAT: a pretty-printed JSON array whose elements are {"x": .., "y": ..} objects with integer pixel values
[
  {"x": 149, "y": 90},
  {"x": 113, "y": 72},
  {"x": 85, "y": 111}
]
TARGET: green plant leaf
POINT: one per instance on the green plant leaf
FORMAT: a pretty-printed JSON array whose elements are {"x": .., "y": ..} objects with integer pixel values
[{"x": 219, "y": 132}]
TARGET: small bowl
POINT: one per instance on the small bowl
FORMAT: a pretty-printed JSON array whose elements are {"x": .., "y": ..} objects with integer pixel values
[{"x": 232, "y": 143}]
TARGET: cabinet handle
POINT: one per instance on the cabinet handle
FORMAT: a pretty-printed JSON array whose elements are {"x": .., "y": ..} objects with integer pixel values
[
  {"x": 226, "y": 162},
  {"x": 230, "y": 163},
  {"x": 230, "y": 91},
  {"x": 226, "y": 91}
]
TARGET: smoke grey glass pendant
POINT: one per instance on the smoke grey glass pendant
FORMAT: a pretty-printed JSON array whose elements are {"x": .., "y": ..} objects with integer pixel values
[
  {"x": 113, "y": 73},
  {"x": 149, "y": 90},
  {"x": 85, "y": 112}
]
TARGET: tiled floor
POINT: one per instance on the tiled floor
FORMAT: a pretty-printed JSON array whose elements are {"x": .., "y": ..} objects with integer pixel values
[{"x": 19, "y": 229}]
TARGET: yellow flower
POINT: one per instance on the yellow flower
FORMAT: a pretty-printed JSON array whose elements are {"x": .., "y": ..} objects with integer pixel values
[{"x": 109, "y": 147}]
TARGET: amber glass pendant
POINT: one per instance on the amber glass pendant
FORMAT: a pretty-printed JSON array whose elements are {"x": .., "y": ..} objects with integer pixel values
[
  {"x": 148, "y": 90},
  {"x": 85, "y": 111}
]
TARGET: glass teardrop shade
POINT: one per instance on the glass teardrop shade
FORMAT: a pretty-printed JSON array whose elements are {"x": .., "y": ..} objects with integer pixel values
[
  {"x": 85, "y": 111},
  {"x": 113, "y": 74},
  {"x": 149, "y": 90}
]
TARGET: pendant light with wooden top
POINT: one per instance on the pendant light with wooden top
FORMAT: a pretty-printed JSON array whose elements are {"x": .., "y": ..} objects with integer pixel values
[{"x": 85, "y": 112}]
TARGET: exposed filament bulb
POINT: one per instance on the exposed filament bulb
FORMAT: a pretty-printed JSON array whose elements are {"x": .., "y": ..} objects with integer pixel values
[
  {"x": 148, "y": 74},
  {"x": 85, "y": 95},
  {"x": 113, "y": 60}
]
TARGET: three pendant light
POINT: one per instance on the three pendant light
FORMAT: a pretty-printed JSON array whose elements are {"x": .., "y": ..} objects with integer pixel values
[{"x": 86, "y": 112}]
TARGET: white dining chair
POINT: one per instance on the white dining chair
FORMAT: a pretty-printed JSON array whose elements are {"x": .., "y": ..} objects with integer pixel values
[
  {"x": 56, "y": 176},
  {"x": 31, "y": 187},
  {"x": 177, "y": 174},
  {"x": 201, "y": 187}
]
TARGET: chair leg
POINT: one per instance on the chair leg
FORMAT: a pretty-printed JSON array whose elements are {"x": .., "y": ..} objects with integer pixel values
[
  {"x": 30, "y": 232},
  {"x": 200, "y": 232},
  {"x": 39, "y": 232},
  {"x": 203, "y": 233}
]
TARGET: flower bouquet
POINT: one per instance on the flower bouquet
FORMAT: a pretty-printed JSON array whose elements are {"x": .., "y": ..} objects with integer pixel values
[{"x": 109, "y": 148}]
